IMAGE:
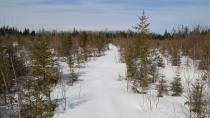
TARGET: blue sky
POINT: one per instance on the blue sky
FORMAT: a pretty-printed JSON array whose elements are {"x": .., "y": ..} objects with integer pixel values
[{"x": 102, "y": 14}]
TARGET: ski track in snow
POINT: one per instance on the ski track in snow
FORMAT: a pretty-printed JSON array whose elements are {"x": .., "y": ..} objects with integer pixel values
[{"x": 99, "y": 94}]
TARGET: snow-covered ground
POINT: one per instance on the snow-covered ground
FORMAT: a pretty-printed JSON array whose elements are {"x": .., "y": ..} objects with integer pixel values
[{"x": 101, "y": 94}]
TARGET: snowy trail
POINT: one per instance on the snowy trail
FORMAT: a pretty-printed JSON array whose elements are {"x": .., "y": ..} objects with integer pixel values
[{"x": 100, "y": 94}]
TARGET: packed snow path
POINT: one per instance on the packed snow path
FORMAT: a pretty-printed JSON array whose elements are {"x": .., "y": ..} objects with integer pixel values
[{"x": 100, "y": 93}]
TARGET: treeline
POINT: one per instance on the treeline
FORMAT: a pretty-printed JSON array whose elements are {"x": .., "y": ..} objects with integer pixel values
[
  {"x": 194, "y": 44},
  {"x": 6, "y": 31}
]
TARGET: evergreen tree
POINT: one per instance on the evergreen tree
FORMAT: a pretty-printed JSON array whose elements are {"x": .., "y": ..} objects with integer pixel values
[
  {"x": 43, "y": 68},
  {"x": 167, "y": 35},
  {"x": 143, "y": 24},
  {"x": 42, "y": 60},
  {"x": 161, "y": 87},
  {"x": 140, "y": 53},
  {"x": 176, "y": 86},
  {"x": 198, "y": 100},
  {"x": 68, "y": 52},
  {"x": 26, "y": 32},
  {"x": 142, "y": 46}
]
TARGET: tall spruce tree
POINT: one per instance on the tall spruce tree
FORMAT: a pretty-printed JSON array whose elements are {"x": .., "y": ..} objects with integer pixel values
[
  {"x": 140, "y": 52},
  {"x": 43, "y": 68}
]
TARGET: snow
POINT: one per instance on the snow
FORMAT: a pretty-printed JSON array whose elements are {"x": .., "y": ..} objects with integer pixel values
[
  {"x": 188, "y": 71},
  {"x": 101, "y": 94}
]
